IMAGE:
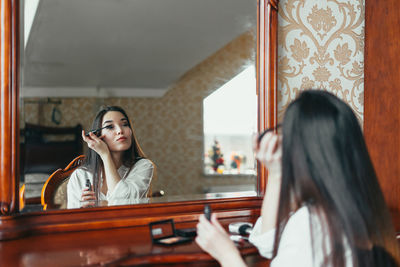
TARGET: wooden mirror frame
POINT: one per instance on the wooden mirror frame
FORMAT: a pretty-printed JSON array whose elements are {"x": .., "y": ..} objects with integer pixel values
[{"x": 15, "y": 225}]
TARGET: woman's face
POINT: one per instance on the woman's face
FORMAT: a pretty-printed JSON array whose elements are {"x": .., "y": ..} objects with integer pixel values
[{"x": 118, "y": 136}]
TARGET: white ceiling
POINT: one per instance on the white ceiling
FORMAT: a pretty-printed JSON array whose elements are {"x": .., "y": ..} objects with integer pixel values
[{"x": 129, "y": 45}]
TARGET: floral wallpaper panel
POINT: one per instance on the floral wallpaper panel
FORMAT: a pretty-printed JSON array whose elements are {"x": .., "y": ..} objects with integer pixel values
[{"x": 321, "y": 46}]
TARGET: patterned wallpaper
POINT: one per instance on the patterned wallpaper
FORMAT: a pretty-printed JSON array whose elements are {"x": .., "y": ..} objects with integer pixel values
[
  {"x": 321, "y": 46},
  {"x": 169, "y": 129}
]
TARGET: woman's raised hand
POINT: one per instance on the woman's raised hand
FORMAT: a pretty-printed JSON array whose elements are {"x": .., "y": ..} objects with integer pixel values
[
  {"x": 96, "y": 143},
  {"x": 269, "y": 153},
  {"x": 213, "y": 239}
]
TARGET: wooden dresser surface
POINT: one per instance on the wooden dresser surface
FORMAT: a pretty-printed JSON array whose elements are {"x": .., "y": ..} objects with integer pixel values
[{"x": 114, "y": 247}]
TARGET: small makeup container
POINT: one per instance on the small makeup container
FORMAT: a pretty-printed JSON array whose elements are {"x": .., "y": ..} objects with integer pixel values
[
  {"x": 164, "y": 233},
  {"x": 238, "y": 238},
  {"x": 242, "y": 228}
]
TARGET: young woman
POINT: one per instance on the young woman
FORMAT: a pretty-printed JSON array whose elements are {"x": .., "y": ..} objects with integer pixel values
[
  {"x": 323, "y": 205},
  {"x": 115, "y": 169}
]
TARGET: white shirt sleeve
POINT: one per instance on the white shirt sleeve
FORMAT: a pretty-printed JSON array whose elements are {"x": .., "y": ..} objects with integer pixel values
[
  {"x": 295, "y": 248},
  {"x": 135, "y": 184},
  {"x": 263, "y": 241}
]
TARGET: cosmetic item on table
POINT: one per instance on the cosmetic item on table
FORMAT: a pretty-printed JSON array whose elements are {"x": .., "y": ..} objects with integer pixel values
[
  {"x": 240, "y": 231},
  {"x": 164, "y": 233},
  {"x": 187, "y": 232},
  {"x": 238, "y": 238},
  {"x": 241, "y": 228}
]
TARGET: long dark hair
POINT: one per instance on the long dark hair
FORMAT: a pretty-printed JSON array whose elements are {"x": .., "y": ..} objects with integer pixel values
[
  {"x": 326, "y": 167},
  {"x": 93, "y": 162}
]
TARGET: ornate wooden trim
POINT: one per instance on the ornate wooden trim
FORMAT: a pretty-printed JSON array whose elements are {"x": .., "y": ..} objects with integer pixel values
[
  {"x": 9, "y": 119},
  {"x": 16, "y": 225},
  {"x": 267, "y": 49},
  {"x": 58, "y": 221},
  {"x": 274, "y": 4}
]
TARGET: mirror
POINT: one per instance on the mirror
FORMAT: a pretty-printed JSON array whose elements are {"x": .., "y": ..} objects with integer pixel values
[
  {"x": 159, "y": 60},
  {"x": 15, "y": 225}
]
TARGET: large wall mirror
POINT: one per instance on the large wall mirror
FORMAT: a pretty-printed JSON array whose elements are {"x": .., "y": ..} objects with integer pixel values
[
  {"x": 176, "y": 66},
  {"x": 164, "y": 62}
]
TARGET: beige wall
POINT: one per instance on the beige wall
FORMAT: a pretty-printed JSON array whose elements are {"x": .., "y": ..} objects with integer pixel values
[
  {"x": 321, "y": 45},
  {"x": 169, "y": 129}
]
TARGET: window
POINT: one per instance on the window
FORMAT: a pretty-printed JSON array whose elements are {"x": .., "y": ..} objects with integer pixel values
[{"x": 230, "y": 121}]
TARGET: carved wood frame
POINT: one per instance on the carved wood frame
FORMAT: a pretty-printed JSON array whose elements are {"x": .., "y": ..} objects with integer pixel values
[{"x": 16, "y": 225}]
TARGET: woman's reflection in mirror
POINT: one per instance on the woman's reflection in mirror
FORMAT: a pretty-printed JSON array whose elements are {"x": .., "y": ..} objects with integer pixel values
[{"x": 115, "y": 164}]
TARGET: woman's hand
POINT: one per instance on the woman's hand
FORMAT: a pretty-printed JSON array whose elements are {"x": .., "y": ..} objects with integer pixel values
[
  {"x": 213, "y": 239},
  {"x": 269, "y": 153},
  {"x": 96, "y": 143},
  {"x": 88, "y": 198}
]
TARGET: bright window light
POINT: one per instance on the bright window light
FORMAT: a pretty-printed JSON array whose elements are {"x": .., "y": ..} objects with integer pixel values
[
  {"x": 230, "y": 120},
  {"x": 232, "y": 109}
]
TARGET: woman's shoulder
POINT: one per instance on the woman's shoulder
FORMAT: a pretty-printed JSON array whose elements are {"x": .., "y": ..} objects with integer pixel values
[
  {"x": 299, "y": 220},
  {"x": 144, "y": 163},
  {"x": 301, "y": 213}
]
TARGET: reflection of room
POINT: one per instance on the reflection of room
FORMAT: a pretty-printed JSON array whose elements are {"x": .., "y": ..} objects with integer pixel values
[
  {"x": 174, "y": 140},
  {"x": 230, "y": 122}
]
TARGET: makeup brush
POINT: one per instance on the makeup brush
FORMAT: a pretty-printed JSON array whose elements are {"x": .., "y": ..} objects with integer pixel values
[{"x": 98, "y": 130}]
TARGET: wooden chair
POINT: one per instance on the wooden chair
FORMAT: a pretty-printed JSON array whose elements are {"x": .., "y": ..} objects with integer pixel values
[
  {"x": 22, "y": 197},
  {"x": 54, "y": 191}
]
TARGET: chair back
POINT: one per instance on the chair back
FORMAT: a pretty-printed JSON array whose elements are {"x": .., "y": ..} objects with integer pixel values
[
  {"x": 22, "y": 197},
  {"x": 54, "y": 191}
]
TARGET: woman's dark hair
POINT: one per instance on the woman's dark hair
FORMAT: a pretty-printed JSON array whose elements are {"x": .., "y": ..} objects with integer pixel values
[
  {"x": 326, "y": 167},
  {"x": 93, "y": 162}
]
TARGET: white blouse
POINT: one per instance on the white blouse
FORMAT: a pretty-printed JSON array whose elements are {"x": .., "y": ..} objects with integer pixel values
[
  {"x": 295, "y": 247},
  {"x": 132, "y": 187}
]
